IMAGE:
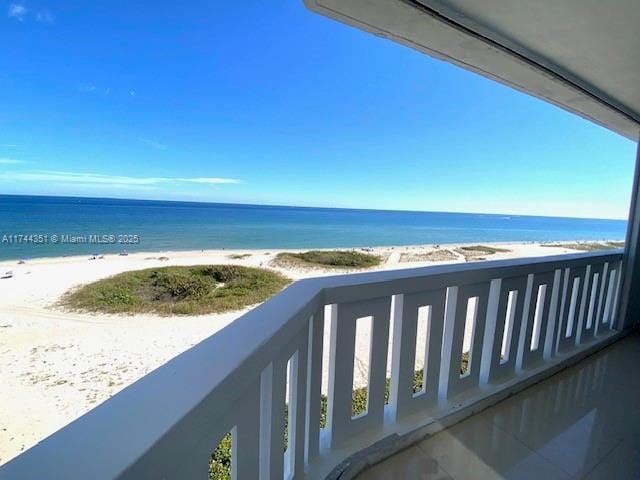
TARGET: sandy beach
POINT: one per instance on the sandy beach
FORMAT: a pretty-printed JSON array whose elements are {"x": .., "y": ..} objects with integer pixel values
[{"x": 58, "y": 365}]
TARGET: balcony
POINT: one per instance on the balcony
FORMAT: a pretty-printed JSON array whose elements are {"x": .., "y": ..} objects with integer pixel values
[
  {"x": 512, "y": 323},
  {"x": 485, "y": 339},
  {"x": 580, "y": 423}
]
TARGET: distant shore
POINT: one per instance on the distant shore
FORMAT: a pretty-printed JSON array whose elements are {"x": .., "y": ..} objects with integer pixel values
[
  {"x": 57, "y": 365},
  {"x": 213, "y": 251}
]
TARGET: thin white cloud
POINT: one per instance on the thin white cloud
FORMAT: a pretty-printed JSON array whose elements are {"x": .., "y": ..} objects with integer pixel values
[
  {"x": 92, "y": 88},
  {"x": 9, "y": 145},
  {"x": 10, "y": 161},
  {"x": 86, "y": 87},
  {"x": 44, "y": 16},
  {"x": 17, "y": 11},
  {"x": 132, "y": 93},
  {"x": 152, "y": 143},
  {"x": 210, "y": 180},
  {"x": 52, "y": 176}
]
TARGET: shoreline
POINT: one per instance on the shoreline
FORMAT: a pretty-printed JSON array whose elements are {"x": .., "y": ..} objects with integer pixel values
[
  {"x": 232, "y": 250},
  {"x": 57, "y": 365}
]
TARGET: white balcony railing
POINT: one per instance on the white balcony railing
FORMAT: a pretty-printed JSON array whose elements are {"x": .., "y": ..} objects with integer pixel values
[{"x": 530, "y": 317}]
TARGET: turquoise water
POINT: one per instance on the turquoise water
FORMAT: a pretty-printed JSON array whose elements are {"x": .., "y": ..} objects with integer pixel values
[{"x": 113, "y": 225}]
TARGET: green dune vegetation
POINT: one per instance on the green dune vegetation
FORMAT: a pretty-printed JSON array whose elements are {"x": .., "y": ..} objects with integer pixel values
[
  {"x": 587, "y": 246},
  {"x": 437, "y": 255},
  {"x": 478, "y": 252},
  {"x": 192, "y": 290},
  {"x": 238, "y": 256},
  {"x": 329, "y": 258}
]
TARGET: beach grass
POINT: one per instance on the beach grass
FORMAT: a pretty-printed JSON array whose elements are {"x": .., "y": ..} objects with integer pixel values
[
  {"x": 329, "y": 258},
  {"x": 586, "y": 246},
  {"x": 439, "y": 255},
  {"x": 478, "y": 252},
  {"x": 485, "y": 249},
  {"x": 192, "y": 290},
  {"x": 238, "y": 256}
]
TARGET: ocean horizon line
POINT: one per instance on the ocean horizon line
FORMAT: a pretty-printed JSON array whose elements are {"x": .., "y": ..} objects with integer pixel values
[{"x": 53, "y": 226}]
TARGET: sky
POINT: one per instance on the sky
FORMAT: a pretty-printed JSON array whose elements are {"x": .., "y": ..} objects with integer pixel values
[{"x": 268, "y": 103}]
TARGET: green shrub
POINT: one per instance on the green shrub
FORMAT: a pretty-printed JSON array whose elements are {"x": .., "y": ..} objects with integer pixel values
[
  {"x": 193, "y": 290},
  {"x": 113, "y": 295},
  {"x": 478, "y": 252},
  {"x": 483, "y": 249},
  {"x": 180, "y": 284},
  {"x": 586, "y": 246},
  {"x": 331, "y": 258},
  {"x": 238, "y": 256},
  {"x": 220, "y": 461},
  {"x": 225, "y": 273}
]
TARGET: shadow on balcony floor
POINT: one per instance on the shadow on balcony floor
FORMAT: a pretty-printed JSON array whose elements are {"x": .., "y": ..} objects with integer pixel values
[{"x": 581, "y": 423}]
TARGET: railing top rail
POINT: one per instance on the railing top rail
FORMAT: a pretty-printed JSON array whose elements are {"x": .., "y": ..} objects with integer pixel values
[{"x": 177, "y": 397}]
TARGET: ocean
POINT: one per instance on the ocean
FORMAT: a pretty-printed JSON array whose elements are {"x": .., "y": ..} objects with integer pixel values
[{"x": 39, "y": 226}]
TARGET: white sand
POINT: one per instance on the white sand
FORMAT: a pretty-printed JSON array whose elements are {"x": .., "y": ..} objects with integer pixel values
[{"x": 58, "y": 365}]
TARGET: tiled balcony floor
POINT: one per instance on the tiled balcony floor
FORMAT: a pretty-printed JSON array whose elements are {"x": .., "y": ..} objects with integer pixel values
[{"x": 581, "y": 423}]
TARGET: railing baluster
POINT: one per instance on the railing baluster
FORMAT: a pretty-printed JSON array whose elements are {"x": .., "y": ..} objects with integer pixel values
[
  {"x": 381, "y": 312},
  {"x": 616, "y": 297},
  {"x": 451, "y": 381},
  {"x": 341, "y": 356},
  {"x": 314, "y": 384},
  {"x": 591, "y": 297},
  {"x": 602, "y": 299},
  {"x": 553, "y": 320},
  {"x": 403, "y": 401},
  {"x": 276, "y": 462},
  {"x": 583, "y": 304},
  {"x": 572, "y": 308},
  {"x": 609, "y": 297},
  {"x": 298, "y": 405},
  {"x": 538, "y": 316},
  {"x": 503, "y": 330},
  {"x": 527, "y": 328},
  {"x": 272, "y": 419},
  {"x": 246, "y": 443},
  {"x": 402, "y": 349},
  {"x": 342, "y": 426}
]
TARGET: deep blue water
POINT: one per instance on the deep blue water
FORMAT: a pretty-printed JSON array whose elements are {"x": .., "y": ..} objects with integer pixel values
[{"x": 162, "y": 226}]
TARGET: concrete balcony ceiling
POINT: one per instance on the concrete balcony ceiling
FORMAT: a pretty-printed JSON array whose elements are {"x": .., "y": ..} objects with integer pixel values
[{"x": 581, "y": 56}]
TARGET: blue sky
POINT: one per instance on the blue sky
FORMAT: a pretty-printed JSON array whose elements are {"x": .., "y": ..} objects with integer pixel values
[{"x": 265, "y": 102}]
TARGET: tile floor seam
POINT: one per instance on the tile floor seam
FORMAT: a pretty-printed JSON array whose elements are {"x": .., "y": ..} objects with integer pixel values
[
  {"x": 522, "y": 441},
  {"x": 597, "y": 463},
  {"x": 524, "y": 444},
  {"x": 508, "y": 434},
  {"x": 602, "y": 460}
]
